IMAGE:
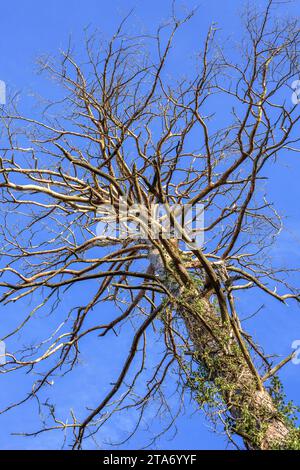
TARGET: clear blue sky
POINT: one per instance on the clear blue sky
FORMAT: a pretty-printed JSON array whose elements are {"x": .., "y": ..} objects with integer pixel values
[{"x": 32, "y": 28}]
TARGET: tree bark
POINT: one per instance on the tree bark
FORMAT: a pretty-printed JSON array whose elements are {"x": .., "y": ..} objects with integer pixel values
[
  {"x": 252, "y": 411},
  {"x": 254, "y": 415}
]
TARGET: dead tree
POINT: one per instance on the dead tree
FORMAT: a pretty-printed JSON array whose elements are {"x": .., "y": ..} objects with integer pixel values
[{"x": 125, "y": 131}]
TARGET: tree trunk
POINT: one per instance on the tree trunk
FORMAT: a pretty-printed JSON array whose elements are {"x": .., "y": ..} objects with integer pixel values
[{"x": 252, "y": 413}]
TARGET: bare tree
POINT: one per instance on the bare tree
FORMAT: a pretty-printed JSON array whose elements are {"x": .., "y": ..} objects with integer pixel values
[{"x": 124, "y": 130}]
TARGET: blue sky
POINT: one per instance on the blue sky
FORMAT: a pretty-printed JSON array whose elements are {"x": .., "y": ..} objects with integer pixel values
[{"x": 32, "y": 28}]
